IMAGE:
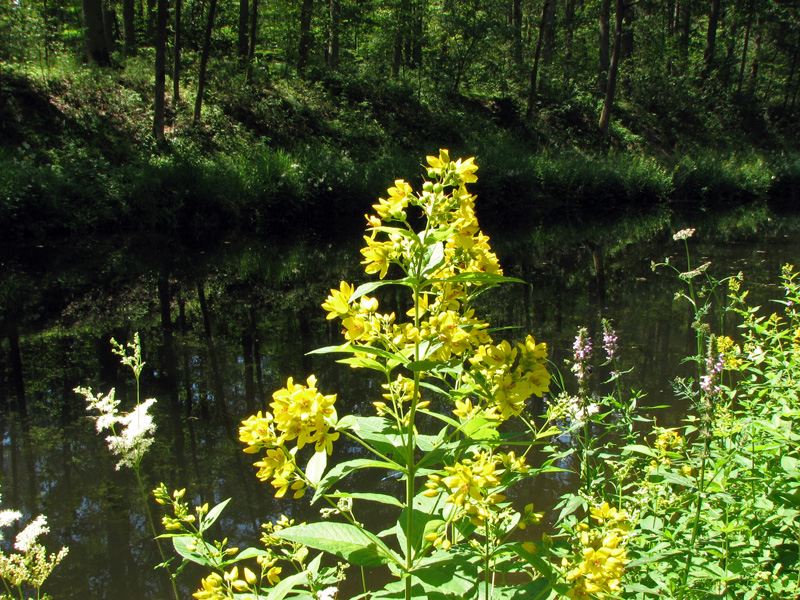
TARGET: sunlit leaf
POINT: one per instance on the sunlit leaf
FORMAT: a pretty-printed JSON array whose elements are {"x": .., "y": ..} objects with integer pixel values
[{"x": 351, "y": 543}]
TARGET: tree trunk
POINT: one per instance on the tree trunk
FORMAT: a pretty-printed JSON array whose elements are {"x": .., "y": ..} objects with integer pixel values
[
  {"x": 170, "y": 374},
  {"x": 744, "y": 54},
  {"x": 242, "y": 39},
  {"x": 711, "y": 37},
  {"x": 756, "y": 58},
  {"x": 611, "y": 88},
  {"x": 402, "y": 15},
  {"x": 684, "y": 28},
  {"x": 94, "y": 33},
  {"x": 569, "y": 27},
  {"x": 129, "y": 26},
  {"x": 201, "y": 77},
  {"x": 332, "y": 52},
  {"x": 549, "y": 33},
  {"x": 516, "y": 26},
  {"x": 109, "y": 20},
  {"x": 791, "y": 73},
  {"x": 16, "y": 374},
  {"x": 251, "y": 50},
  {"x": 150, "y": 27},
  {"x": 535, "y": 71},
  {"x": 159, "y": 92},
  {"x": 304, "y": 48},
  {"x": 176, "y": 51},
  {"x": 604, "y": 45}
]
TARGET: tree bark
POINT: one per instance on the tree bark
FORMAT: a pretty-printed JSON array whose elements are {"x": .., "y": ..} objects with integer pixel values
[
  {"x": 176, "y": 51},
  {"x": 251, "y": 49},
  {"x": 684, "y": 28},
  {"x": 243, "y": 38},
  {"x": 569, "y": 28},
  {"x": 129, "y": 26},
  {"x": 516, "y": 25},
  {"x": 756, "y": 58},
  {"x": 159, "y": 108},
  {"x": 744, "y": 53},
  {"x": 332, "y": 52},
  {"x": 109, "y": 20},
  {"x": 711, "y": 37},
  {"x": 304, "y": 47},
  {"x": 94, "y": 33},
  {"x": 532, "y": 93},
  {"x": 788, "y": 85},
  {"x": 549, "y": 33},
  {"x": 611, "y": 88},
  {"x": 16, "y": 374},
  {"x": 604, "y": 45},
  {"x": 201, "y": 77}
]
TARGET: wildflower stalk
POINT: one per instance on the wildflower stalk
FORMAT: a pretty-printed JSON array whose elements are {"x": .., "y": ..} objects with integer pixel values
[{"x": 132, "y": 441}]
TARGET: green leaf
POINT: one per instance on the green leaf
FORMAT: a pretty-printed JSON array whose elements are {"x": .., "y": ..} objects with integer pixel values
[
  {"x": 250, "y": 553},
  {"x": 186, "y": 546},
  {"x": 363, "y": 362},
  {"x": 355, "y": 349},
  {"x": 381, "y": 498},
  {"x": 478, "y": 278},
  {"x": 348, "y": 542},
  {"x": 539, "y": 589},
  {"x": 424, "y": 510},
  {"x": 479, "y": 428},
  {"x": 213, "y": 515},
  {"x": 284, "y": 586},
  {"x": 441, "y": 417},
  {"x": 341, "y": 470},
  {"x": 316, "y": 467},
  {"x": 382, "y": 435},
  {"x": 638, "y": 448},
  {"x": 434, "y": 258},
  {"x": 450, "y": 573},
  {"x": 574, "y": 503},
  {"x": 537, "y": 561},
  {"x": 347, "y": 422}
]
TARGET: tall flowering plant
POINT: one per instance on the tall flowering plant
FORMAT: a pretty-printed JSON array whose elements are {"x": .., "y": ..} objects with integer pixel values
[{"x": 448, "y": 389}]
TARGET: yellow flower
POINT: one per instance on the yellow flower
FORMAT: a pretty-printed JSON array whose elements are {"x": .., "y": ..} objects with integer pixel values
[
  {"x": 464, "y": 409},
  {"x": 257, "y": 432},
  {"x": 273, "y": 575},
  {"x": 275, "y": 460},
  {"x": 213, "y": 588},
  {"x": 358, "y": 329},
  {"x": 338, "y": 303},
  {"x": 394, "y": 206},
  {"x": 377, "y": 256}
]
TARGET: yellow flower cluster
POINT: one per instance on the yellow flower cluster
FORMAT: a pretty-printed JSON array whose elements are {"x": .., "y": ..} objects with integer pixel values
[
  {"x": 451, "y": 245},
  {"x": 599, "y": 570},
  {"x": 299, "y": 412},
  {"x": 730, "y": 352},
  {"x": 506, "y": 377},
  {"x": 470, "y": 484}
]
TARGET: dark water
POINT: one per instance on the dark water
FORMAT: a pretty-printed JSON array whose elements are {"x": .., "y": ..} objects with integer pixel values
[{"x": 223, "y": 326}]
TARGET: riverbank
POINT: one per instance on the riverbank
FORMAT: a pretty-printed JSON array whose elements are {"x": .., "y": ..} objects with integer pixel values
[{"x": 77, "y": 157}]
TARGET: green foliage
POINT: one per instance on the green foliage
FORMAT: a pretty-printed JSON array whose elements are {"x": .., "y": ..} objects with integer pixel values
[{"x": 707, "y": 508}]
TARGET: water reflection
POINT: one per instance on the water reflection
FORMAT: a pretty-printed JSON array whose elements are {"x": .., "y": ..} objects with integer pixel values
[{"x": 225, "y": 325}]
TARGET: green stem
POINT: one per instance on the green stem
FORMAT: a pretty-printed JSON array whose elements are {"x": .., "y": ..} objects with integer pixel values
[
  {"x": 698, "y": 509},
  {"x": 155, "y": 533}
]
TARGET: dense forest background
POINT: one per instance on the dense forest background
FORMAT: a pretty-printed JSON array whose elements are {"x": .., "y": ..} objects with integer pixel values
[{"x": 200, "y": 116}]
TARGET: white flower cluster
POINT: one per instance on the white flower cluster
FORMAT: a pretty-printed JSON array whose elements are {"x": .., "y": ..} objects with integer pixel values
[
  {"x": 32, "y": 565},
  {"x": 132, "y": 433}
]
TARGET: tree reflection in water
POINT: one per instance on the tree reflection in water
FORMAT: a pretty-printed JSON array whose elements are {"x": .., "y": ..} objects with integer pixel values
[{"x": 223, "y": 326}]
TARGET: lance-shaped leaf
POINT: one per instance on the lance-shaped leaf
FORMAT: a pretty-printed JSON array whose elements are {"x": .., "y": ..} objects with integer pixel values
[
  {"x": 351, "y": 543},
  {"x": 343, "y": 469}
]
